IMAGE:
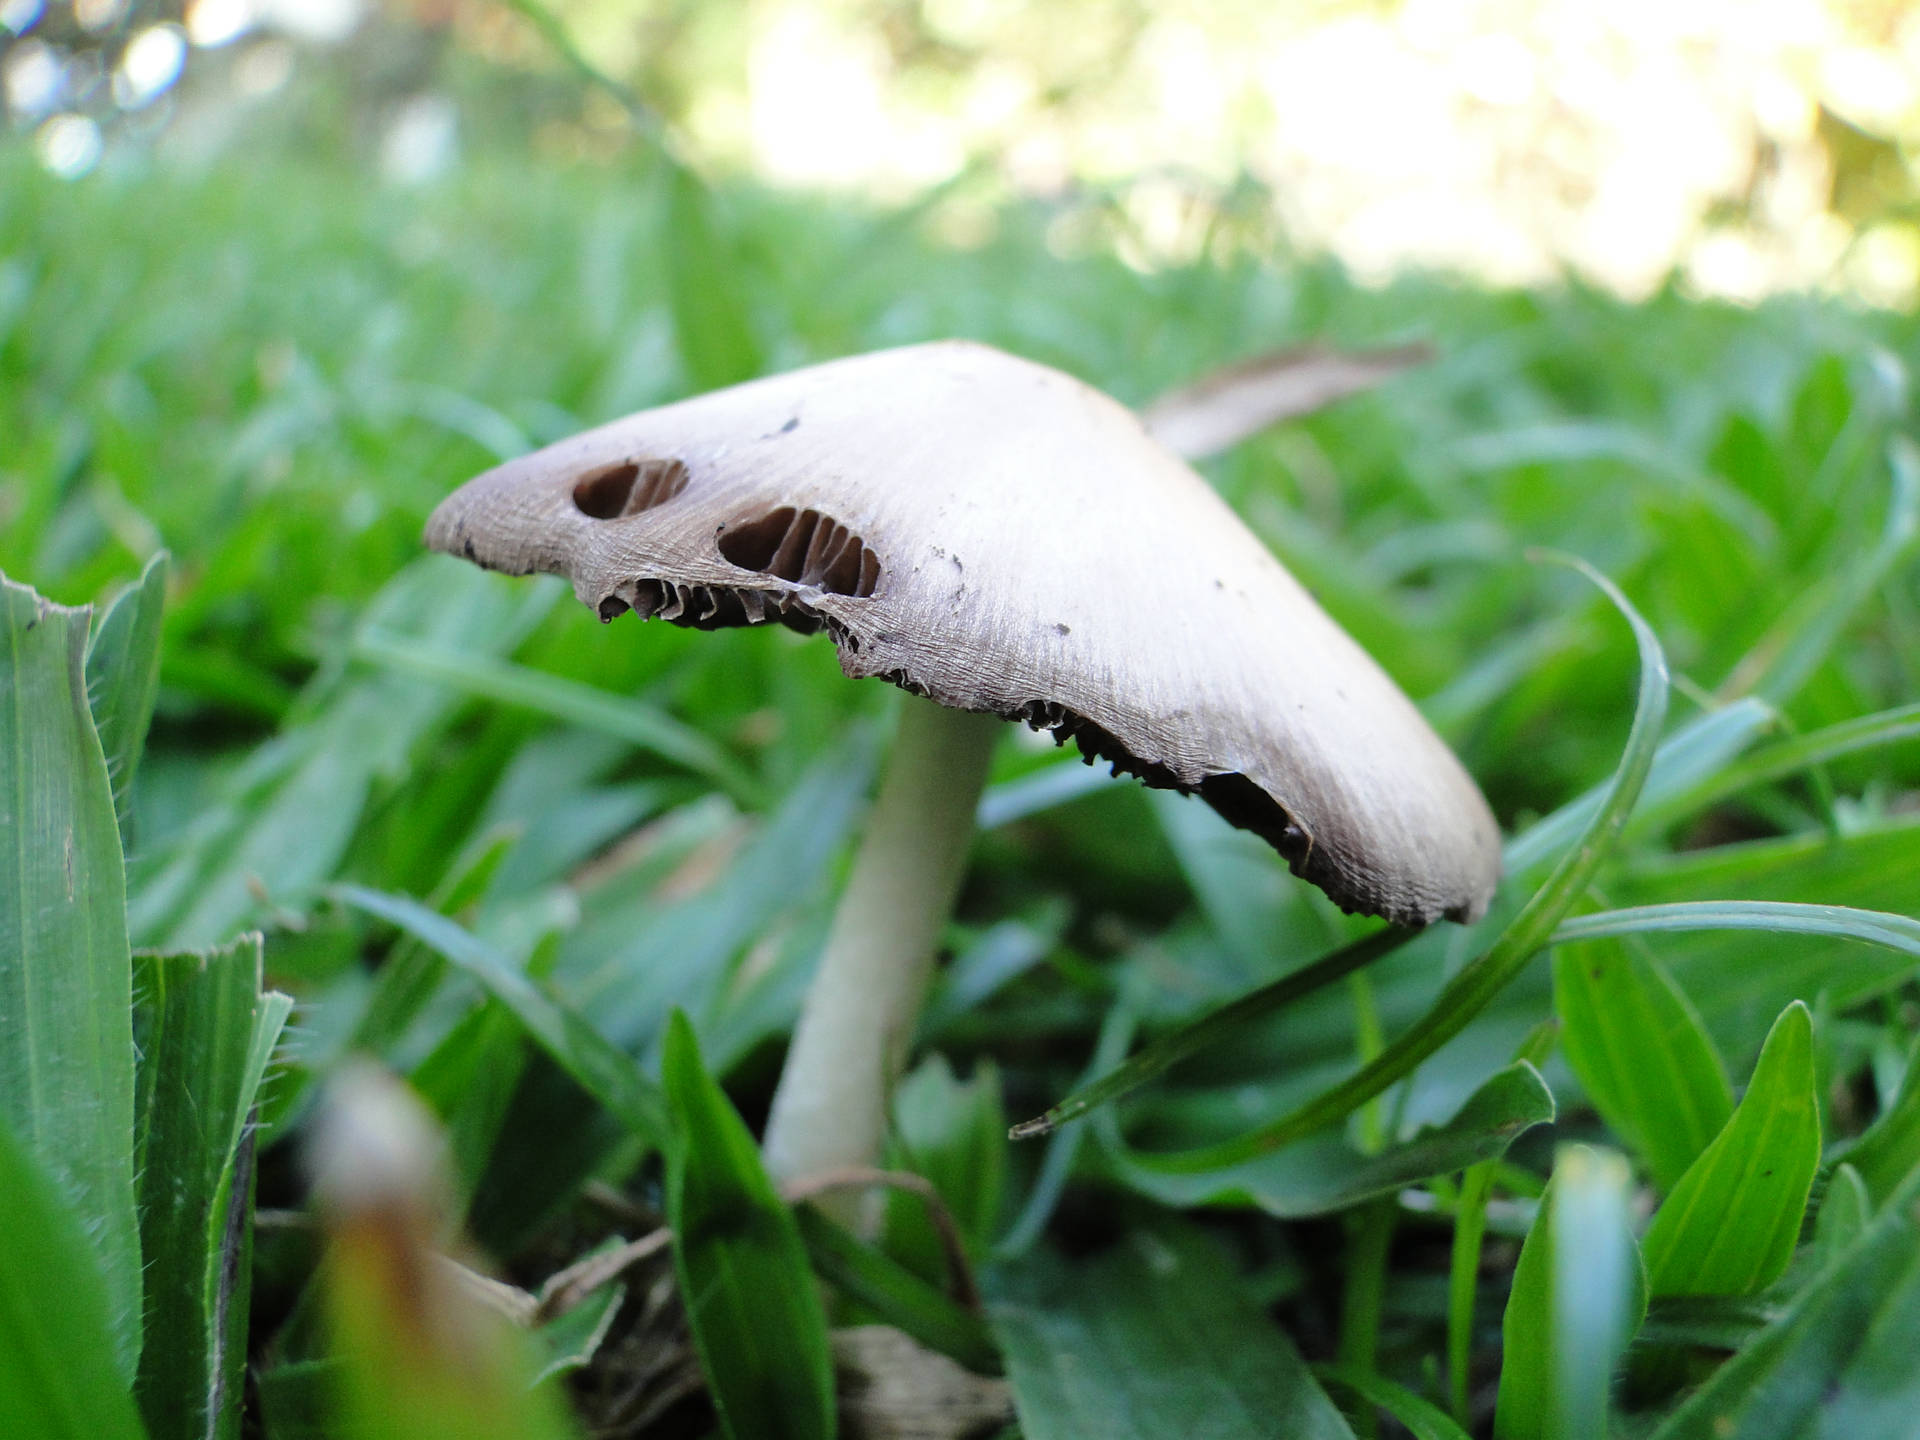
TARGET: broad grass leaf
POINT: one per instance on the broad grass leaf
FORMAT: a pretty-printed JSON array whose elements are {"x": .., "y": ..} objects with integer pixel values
[
  {"x": 749, "y": 1295},
  {"x": 1326, "y": 1174},
  {"x": 59, "y": 1379},
  {"x": 570, "y": 1341},
  {"x": 66, "y": 989},
  {"x": 899, "y": 1296},
  {"x": 206, "y": 1033},
  {"x": 1739, "y": 982},
  {"x": 1422, "y": 1418},
  {"x": 1151, "y": 1337},
  {"x": 1839, "y": 1363},
  {"x": 954, "y": 1133},
  {"x": 1640, "y": 1053},
  {"x": 1730, "y": 1225},
  {"x": 1578, "y": 1296},
  {"x": 123, "y": 677}
]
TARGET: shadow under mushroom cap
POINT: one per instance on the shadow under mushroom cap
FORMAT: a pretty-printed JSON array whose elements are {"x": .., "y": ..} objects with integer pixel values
[{"x": 999, "y": 537}]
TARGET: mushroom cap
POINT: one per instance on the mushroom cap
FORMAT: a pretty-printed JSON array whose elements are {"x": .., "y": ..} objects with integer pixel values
[{"x": 1000, "y": 537}]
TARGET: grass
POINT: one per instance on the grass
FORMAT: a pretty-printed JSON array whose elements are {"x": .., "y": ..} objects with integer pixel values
[{"x": 505, "y": 887}]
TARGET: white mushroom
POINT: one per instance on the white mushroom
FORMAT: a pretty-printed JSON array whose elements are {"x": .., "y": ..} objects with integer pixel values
[{"x": 1007, "y": 542}]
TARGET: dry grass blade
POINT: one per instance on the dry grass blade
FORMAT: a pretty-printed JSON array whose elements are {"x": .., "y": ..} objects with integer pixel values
[{"x": 1219, "y": 410}]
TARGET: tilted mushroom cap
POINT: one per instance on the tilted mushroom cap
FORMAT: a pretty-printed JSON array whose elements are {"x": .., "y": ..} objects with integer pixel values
[{"x": 999, "y": 537}]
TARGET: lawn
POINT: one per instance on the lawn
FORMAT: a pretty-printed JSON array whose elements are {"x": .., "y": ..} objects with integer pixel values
[{"x": 1650, "y": 1120}]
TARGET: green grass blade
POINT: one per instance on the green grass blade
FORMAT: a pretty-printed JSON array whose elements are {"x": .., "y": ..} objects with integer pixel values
[
  {"x": 123, "y": 677},
  {"x": 749, "y": 1295},
  {"x": 1730, "y": 1225},
  {"x": 896, "y": 1294},
  {"x": 1790, "y": 756},
  {"x": 488, "y": 677},
  {"x": 1473, "y": 988},
  {"x": 1144, "y": 1340},
  {"x": 58, "y": 1375},
  {"x": 1845, "y": 1210},
  {"x": 1422, "y": 1418},
  {"x": 1776, "y": 917},
  {"x": 1063, "y": 1148},
  {"x": 1327, "y": 1174},
  {"x": 570, "y": 1342},
  {"x": 1578, "y": 1295},
  {"x": 1784, "y": 660},
  {"x": 1693, "y": 754},
  {"x": 1840, "y": 1361},
  {"x": 66, "y": 1067},
  {"x": 1213, "y": 1028},
  {"x": 1463, "y": 1284},
  {"x": 1641, "y": 1054},
  {"x": 594, "y": 1062},
  {"x": 1889, "y": 1153},
  {"x": 710, "y": 322},
  {"x": 206, "y": 1033}
]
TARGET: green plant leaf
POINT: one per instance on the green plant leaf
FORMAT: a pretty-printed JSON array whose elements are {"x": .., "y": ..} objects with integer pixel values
[
  {"x": 1640, "y": 1053},
  {"x": 710, "y": 323},
  {"x": 896, "y": 1294},
  {"x": 206, "y": 1033},
  {"x": 1805, "y": 634},
  {"x": 570, "y": 1341},
  {"x": 1740, "y": 979},
  {"x": 1692, "y": 755},
  {"x": 749, "y": 1295},
  {"x": 1578, "y": 1296},
  {"x": 1889, "y": 1153},
  {"x": 1777, "y": 917},
  {"x": 66, "y": 989},
  {"x": 594, "y": 1062},
  {"x": 1797, "y": 753},
  {"x": 1845, "y": 1210},
  {"x": 1325, "y": 1173},
  {"x": 487, "y": 677},
  {"x": 1839, "y": 1362},
  {"x": 58, "y": 1374},
  {"x": 1423, "y": 1419},
  {"x": 1730, "y": 1225},
  {"x": 955, "y": 1134},
  {"x": 1146, "y": 1340},
  {"x": 281, "y": 821},
  {"x": 123, "y": 677},
  {"x": 469, "y": 1080},
  {"x": 1463, "y": 1283}
]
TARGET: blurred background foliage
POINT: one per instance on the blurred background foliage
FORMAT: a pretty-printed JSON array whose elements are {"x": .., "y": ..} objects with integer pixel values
[{"x": 276, "y": 274}]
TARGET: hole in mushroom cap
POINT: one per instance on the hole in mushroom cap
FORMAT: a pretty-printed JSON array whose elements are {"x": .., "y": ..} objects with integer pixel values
[
  {"x": 805, "y": 547},
  {"x": 628, "y": 486}
]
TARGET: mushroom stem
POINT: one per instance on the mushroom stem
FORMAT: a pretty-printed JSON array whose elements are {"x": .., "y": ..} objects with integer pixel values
[{"x": 830, "y": 1109}]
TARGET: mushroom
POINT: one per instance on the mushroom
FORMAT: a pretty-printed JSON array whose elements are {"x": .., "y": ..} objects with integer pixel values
[{"x": 1004, "y": 542}]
